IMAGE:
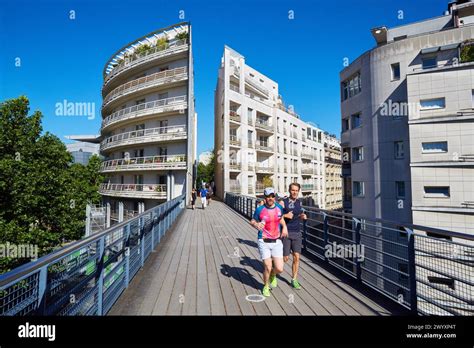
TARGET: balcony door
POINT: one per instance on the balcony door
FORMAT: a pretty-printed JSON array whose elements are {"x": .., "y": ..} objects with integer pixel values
[
  {"x": 163, "y": 126},
  {"x": 139, "y": 182}
]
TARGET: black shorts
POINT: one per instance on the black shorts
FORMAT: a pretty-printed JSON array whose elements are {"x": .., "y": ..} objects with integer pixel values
[{"x": 292, "y": 243}]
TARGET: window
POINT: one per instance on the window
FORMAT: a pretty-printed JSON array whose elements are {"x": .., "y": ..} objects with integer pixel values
[
  {"x": 444, "y": 281},
  {"x": 399, "y": 150},
  {"x": 435, "y": 147},
  {"x": 432, "y": 104},
  {"x": 358, "y": 154},
  {"x": 345, "y": 124},
  {"x": 249, "y": 115},
  {"x": 355, "y": 121},
  {"x": 400, "y": 189},
  {"x": 163, "y": 96},
  {"x": 395, "y": 71},
  {"x": 429, "y": 62},
  {"x": 436, "y": 191},
  {"x": 358, "y": 189},
  {"x": 351, "y": 87}
]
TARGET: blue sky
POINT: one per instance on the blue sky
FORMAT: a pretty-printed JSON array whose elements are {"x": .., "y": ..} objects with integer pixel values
[{"x": 62, "y": 59}]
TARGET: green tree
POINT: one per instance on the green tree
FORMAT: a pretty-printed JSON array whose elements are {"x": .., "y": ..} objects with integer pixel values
[
  {"x": 206, "y": 172},
  {"x": 42, "y": 194}
]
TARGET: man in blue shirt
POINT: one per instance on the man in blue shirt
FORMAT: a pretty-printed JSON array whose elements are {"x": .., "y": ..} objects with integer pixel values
[
  {"x": 203, "y": 194},
  {"x": 293, "y": 213}
]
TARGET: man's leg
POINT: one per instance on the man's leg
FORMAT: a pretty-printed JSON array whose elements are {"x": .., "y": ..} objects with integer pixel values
[
  {"x": 296, "y": 264},
  {"x": 267, "y": 269}
]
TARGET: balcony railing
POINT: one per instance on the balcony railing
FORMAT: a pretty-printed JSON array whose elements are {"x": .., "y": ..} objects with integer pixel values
[
  {"x": 234, "y": 88},
  {"x": 151, "y": 54},
  {"x": 307, "y": 170},
  {"x": 145, "y": 163},
  {"x": 261, "y": 168},
  {"x": 145, "y": 136},
  {"x": 159, "y": 78},
  {"x": 233, "y": 140},
  {"x": 256, "y": 85},
  {"x": 306, "y": 154},
  {"x": 154, "y": 191},
  {"x": 250, "y": 189},
  {"x": 264, "y": 146},
  {"x": 96, "y": 269},
  {"x": 373, "y": 246},
  {"x": 234, "y": 186},
  {"x": 235, "y": 165},
  {"x": 259, "y": 187},
  {"x": 144, "y": 109},
  {"x": 250, "y": 144},
  {"x": 307, "y": 187},
  {"x": 263, "y": 124},
  {"x": 234, "y": 116}
]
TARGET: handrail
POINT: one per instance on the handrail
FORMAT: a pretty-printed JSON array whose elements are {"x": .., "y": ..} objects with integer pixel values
[
  {"x": 143, "y": 82},
  {"x": 132, "y": 111},
  {"x": 95, "y": 269},
  {"x": 398, "y": 261},
  {"x": 117, "y": 139},
  {"x": 137, "y": 58},
  {"x": 152, "y": 161}
]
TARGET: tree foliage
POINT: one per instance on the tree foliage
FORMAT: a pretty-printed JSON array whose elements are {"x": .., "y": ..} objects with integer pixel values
[
  {"x": 205, "y": 173},
  {"x": 42, "y": 194}
]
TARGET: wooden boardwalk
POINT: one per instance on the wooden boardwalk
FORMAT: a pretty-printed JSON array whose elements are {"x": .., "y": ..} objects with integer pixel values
[{"x": 208, "y": 264}]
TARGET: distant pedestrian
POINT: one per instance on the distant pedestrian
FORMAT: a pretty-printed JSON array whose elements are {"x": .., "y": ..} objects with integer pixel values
[
  {"x": 210, "y": 193},
  {"x": 193, "y": 198},
  {"x": 203, "y": 194}
]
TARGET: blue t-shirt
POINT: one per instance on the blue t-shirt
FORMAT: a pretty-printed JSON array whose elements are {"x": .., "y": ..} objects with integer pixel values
[
  {"x": 203, "y": 192},
  {"x": 272, "y": 217},
  {"x": 293, "y": 225}
]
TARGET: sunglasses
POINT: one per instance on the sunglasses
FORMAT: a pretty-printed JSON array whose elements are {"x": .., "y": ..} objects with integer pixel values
[{"x": 270, "y": 196}]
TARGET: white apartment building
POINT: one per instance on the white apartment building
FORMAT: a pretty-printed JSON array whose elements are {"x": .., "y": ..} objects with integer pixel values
[
  {"x": 405, "y": 98},
  {"x": 333, "y": 173},
  {"x": 148, "y": 133},
  {"x": 258, "y": 140}
]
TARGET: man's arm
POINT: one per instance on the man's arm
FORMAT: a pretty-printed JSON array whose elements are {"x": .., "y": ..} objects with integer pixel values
[
  {"x": 255, "y": 222},
  {"x": 284, "y": 229}
]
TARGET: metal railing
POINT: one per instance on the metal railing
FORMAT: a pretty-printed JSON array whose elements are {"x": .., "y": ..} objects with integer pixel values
[
  {"x": 141, "y": 83},
  {"x": 145, "y": 135},
  {"x": 233, "y": 140},
  {"x": 134, "y": 190},
  {"x": 87, "y": 276},
  {"x": 265, "y": 168},
  {"x": 264, "y": 145},
  {"x": 149, "y": 162},
  {"x": 234, "y": 165},
  {"x": 263, "y": 124},
  {"x": 256, "y": 85},
  {"x": 139, "y": 58},
  {"x": 234, "y": 116},
  {"x": 144, "y": 109},
  {"x": 426, "y": 270}
]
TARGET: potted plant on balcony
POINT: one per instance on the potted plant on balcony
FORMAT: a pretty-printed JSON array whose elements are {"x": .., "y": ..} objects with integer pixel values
[
  {"x": 159, "y": 188},
  {"x": 467, "y": 51},
  {"x": 162, "y": 43},
  {"x": 148, "y": 160},
  {"x": 142, "y": 49},
  {"x": 182, "y": 36}
]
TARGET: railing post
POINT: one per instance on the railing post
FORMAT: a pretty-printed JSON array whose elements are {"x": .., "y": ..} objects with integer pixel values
[
  {"x": 304, "y": 234},
  {"x": 88, "y": 220},
  {"x": 357, "y": 241},
  {"x": 412, "y": 270},
  {"x": 42, "y": 286},
  {"x": 141, "y": 239},
  {"x": 120, "y": 216},
  {"x": 100, "y": 276},
  {"x": 152, "y": 231},
  {"x": 325, "y": 234},
  {"x": 107, "y": 215},
  {"x": 126, "y": 233},
  {"x": 160, "y": 223}
]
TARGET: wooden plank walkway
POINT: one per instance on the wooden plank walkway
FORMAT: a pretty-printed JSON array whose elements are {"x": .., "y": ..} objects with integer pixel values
[{"x": 208, "y": 263}]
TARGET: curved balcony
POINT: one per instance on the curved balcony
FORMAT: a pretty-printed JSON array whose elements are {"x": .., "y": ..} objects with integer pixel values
[
  {"x": 150, "y": 135},
  {"x": 137, "y": 59},
  {"x": 150, "y": 191},
  {"x": 264, "y": 146},
  {"x": 263, "y": 125},
  {"x": 144, "y": 163},
  {"x": 146, "y": 109},
  {"x": 146, "y": 82}
]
